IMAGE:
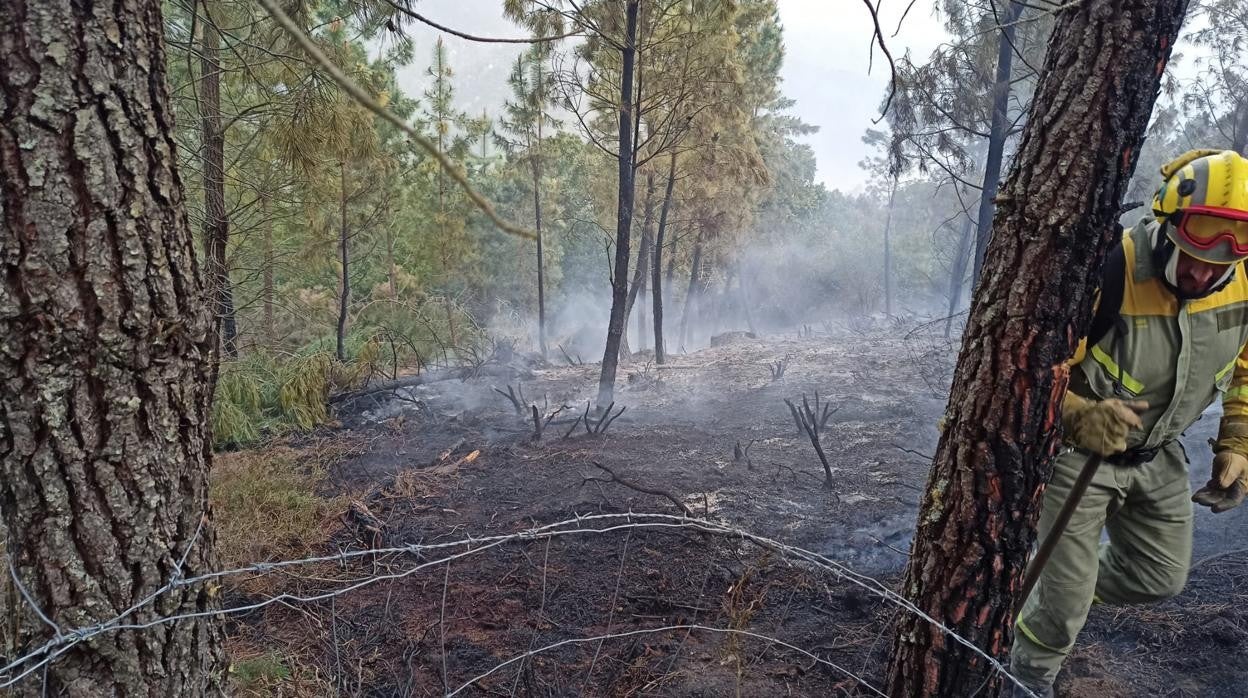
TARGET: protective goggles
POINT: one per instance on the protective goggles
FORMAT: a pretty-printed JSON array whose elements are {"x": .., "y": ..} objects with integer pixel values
[{"x": 1217, "y": 235}]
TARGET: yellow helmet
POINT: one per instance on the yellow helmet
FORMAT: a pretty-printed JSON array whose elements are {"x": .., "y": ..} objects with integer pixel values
[{"x": 1203, "y": 204}]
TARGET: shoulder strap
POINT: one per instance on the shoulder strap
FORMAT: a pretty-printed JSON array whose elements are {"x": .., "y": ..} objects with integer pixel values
[{"x": 1113, "y": 281}]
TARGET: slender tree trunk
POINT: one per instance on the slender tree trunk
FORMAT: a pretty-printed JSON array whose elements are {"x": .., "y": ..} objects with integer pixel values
[
  {"x": 344, "y": 295},
  {"x": 691, "y": 296},
  {"x": 212, "y": 158},
  {"x": 977, "y": 520},
  {"x": 270, "y": 262},
  {"x": 744, "y": 298},
  {"x": 624, "y": 213},
  {"x": 657, "y": 270},
  {"x": 957, "y": 274},
  {"x": 888, "y": 252},
  {"x": 997, "y": 132},
  {"x": 108, "y": 344},
  {"x": 643, "y": 253},
  {"x": 537, "y": 219},
  {"x": 392, "y": 272},
  {"x": 1239, "y": 138}
]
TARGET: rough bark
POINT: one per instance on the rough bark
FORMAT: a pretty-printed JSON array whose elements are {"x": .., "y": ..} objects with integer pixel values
[
  {"x": 656, "y": 280},
  {"x": 212, "y": 164},
  {"x": 624, "y": 212},
  {"x": 106, "y": 338},
  {"x": 977, "y": 519},
  {"x": 996, "y": 133},
  {"x": 344, "y": 258}
]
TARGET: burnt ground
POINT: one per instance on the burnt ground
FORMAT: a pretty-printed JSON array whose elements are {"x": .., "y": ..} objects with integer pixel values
[{"x": 451, "y": 459}]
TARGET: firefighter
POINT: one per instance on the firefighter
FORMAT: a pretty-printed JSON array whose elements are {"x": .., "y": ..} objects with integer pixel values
[{"x": 1167, "y": 339}]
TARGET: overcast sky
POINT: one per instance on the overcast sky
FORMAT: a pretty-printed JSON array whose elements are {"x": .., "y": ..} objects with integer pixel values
[{"x": 825, "y": 67}]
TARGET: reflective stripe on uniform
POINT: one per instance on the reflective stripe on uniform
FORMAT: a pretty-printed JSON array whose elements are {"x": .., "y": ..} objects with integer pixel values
[
  {"x": 1022, "y": 628},
  {"x": 1116, "y": 371},
  {"x": 1227, "y": 369},
  {"x": 1239, "y": 391}
]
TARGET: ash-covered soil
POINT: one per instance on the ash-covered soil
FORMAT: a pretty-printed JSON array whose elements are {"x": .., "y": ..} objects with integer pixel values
[{"x": 709, "y": 433}]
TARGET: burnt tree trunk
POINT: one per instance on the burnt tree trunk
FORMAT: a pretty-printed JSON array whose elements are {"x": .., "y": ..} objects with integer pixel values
[
  {"x": 344, "y": 258},
  {"x": 656, "y": 278},
  {"x": 105, "y": 359},
  {"x": 977, "y": 521},
  {"x": 996, "y": 133},
  {"x": 624, "y": 212},
  {"x": 212, "y": 157}
]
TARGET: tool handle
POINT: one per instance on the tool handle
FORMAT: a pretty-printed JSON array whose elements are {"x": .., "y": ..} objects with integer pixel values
[{"x": 1059, "y": 526}]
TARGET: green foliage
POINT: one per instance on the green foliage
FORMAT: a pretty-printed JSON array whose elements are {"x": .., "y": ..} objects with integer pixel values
[{"x": 252, "y": 674}]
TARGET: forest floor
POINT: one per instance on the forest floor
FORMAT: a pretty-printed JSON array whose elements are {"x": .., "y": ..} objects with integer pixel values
[{"x": 452, "y": 461}]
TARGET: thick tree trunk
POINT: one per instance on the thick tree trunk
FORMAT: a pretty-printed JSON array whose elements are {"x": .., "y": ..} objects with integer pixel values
[
  {"x": 691, "y": 296},
  {"x": 212, "y": 164},
  {"x": 270, "y": 262},
  {"x": 657, "y": 270},
  {"x": 344, "y": 258},
  {"x": 977, "y": 520},
  {"x": 996, "y": 133},
  {"x": 107, "y": 342},
  {"x": 888, "y": 252},
  {"x": 624, "y": 213},
  {"x": 957, "y": 273}
]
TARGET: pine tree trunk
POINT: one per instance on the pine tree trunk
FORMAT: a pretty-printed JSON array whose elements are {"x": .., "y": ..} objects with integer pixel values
[
  {"x": 108, "y": 343},
  {"x": 643, "y": 254},
  {"x": 996, "y": 133},
  {"x": 537, "y": 219},
  {"x": 957, "y": 274},
  {"x": 1239, "y": 138},
  {"x": 691, "y": 296},
  {"x": 624, "y": 213},
  {"x": 270, "y": 262},
  {"x": 657, "y": 270},
  {"x": 344, "y": 288},
  {"x": 744, "y": 299},
  {"x": 977, "y": 521},
  {"x": 212, "y": 157},
  {"x": 888, "y": 252}
]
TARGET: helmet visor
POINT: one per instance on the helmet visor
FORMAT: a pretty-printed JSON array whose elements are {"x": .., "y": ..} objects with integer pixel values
[{"x": 1216, "y": 235}]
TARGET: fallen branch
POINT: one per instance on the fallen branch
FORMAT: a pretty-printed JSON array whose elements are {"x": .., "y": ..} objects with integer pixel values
[
  {"x": 639, "y": 488},
  {"x": 578, "y": 361}
]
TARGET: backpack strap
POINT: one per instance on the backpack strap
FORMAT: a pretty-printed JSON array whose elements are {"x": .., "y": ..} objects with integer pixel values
[{"x": 1113, "y": 282}]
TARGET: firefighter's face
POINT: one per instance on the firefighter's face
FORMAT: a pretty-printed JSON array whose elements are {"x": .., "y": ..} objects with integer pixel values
[{"x": 1194, "y": 277}]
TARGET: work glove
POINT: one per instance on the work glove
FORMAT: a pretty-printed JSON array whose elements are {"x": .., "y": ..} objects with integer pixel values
[
  {"x": 1226, "y": 489},
  {"x": 1100, "y": 426}
]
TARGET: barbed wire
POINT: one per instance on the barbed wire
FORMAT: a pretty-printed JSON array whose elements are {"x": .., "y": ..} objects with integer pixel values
[{"x": 578, "y": 525}]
